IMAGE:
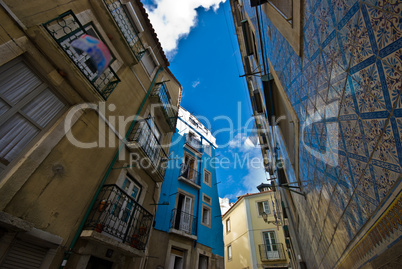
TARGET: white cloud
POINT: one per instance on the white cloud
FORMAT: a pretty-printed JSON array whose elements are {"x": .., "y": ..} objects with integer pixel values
[
  {"x": 196, "y": 83},
  {"x": 173, "y": 19},
  {"x": 243, "y": 143}
]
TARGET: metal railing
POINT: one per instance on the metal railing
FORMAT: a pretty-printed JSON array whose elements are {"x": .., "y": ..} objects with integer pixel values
[
  {"x": 193, "y": 142},
  {"x": 272, "y": 252},
  {"x": 160, "y": 90},
  {"x": 119, "y": 215},
  {"x": 189, "y": 173},
  {"x": 147, "y": 140},
  {"x": 184, "y": 222},
  {"x": 66, "y": 28},
  {"x": 126, "y": 26}
]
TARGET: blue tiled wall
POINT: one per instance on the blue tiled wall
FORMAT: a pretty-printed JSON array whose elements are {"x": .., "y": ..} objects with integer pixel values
[{"x": 348, "y": 81}]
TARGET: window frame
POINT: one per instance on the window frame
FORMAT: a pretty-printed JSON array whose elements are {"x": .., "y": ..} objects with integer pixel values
[
  {"x": 210, "y": 177},
  {"x": 209, "y": 216},
  {"x": 258, "y": 208},
  {"x": 228, "y": 226},
  {"x": 206, "y": 196},
  {"x": 153, "y": 58},
  {"x": 26, "y": 100},
  {"x": 229, "y": 252}
]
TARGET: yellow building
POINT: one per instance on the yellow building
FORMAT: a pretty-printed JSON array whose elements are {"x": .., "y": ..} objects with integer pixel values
[
  {"x": 82, "y": 151},
  {"x": 251, "y": 241}
]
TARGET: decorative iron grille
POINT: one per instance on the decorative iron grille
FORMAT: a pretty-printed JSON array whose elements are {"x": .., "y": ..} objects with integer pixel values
[
  {"x": 65, "y": 29},
  {"x": 272, "y": 252},
  {"x": 117, "y": 214},
  {"x": 147, "y": 140},
  {"x": 160, "y": 90},
  {"x": 126, "y": 26},
  {"x": 183, "y": 221}
]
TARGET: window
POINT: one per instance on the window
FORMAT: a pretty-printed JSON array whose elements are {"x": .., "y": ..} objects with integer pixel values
[
  {"x": 206, "y": 216},
  {"x": 228, "y": 226},
  {"x": 207, "y": 149},
  {"x": 193, "y": 141},
  {"x": 65, "y": 29},
  {"x": 27, "y": 107},
  {"x": 149, "y": 61},
  {"x": 206, "y": 199},
  {"x": 263, "y": 207},
  {"x": 229, "y": 250},
  {"x": 271, "y": 247},
  {"x": 207, "y": 178}
]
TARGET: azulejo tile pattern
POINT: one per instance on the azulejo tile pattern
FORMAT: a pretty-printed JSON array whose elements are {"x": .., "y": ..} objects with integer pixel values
[{"x": 349, "y": 80}]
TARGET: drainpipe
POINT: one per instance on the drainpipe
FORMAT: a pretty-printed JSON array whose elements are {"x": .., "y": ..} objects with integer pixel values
[{"x": 68, "y": 253}]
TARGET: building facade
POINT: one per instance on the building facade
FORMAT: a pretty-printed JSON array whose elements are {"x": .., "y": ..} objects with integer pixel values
[
  {"x": 82, "y": 151},
  {"x": 253, "y": 233},
  {"x": 324, "y": 78},
  {"x": 188, "y": 229}
]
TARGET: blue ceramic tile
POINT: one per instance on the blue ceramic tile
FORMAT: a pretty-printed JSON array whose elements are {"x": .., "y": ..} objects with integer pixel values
[
  {"x": 387, "y": 27},
  {"x": 386, "y": 150}
]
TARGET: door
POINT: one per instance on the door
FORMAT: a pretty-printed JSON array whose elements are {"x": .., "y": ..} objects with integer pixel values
[
  {"x": 203, "y": 262},
  {"x": 185, "y": 218},
  {"x": 271, "y": 246},
  {"x": 123, "y": 211},
  {"x": 189, "y": 169},
  {"x": 176, "y": 262}
]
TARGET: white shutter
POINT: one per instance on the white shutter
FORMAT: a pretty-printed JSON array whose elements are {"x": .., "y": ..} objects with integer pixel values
[
  {"x": 23, "y": 255},
  {"x": 27, "y": 106},
  {"x": 148, "y": 62}
]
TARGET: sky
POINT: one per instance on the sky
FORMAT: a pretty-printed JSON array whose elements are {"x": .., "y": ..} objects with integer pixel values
[{"x": 199, "y": 40}]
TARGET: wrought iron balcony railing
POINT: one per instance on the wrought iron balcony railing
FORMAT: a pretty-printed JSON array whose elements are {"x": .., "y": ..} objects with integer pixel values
[
  {"x": 169, "y": 110},
  {"x": 184, "y": 222},
  {"x": 147, "y": 140},
  {"x": 272, "y": 252},
  {"x": 65, "y": 29},
  {"x": 126, "y": 26},
  {"x": 193, "y": 142},
  {"x": 117, "y": 214},
  {"x": 190, "y": 174}
]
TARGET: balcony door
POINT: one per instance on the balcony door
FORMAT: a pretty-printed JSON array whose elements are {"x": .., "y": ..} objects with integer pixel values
[
  {"x": 269, "y": 239},
  {"x": 123, "y": 210},
  {"x": 154, "y": 139},
  {"x": 184, "y": 207},
  {"x": 189, "y": 168}
]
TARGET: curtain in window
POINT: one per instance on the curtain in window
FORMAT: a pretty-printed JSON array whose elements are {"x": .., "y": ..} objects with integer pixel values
[{"x": 27, "y": 106}]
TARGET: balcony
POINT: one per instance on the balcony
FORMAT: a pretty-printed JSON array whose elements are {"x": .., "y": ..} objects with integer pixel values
[
  {"x": 193, "y": 142},
  {"x": 183, "y": 224},
  {"x": 190, "y": 176},
  {"x": 118, "y": 216},
  {"x": 127, "y": 28},
  {"x": 272, "y": 252},
  {"x": 143, "y": 140},
  {"x": 161, "y": 94},
  {"x": 66, "y": 28}
]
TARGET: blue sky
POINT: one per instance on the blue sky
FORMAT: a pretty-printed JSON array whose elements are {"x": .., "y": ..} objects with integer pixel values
[{"x": 203, "y": 52}]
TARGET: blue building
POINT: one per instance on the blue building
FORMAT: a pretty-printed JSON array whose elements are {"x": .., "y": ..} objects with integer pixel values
[{"x": 188, "y": 231}]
